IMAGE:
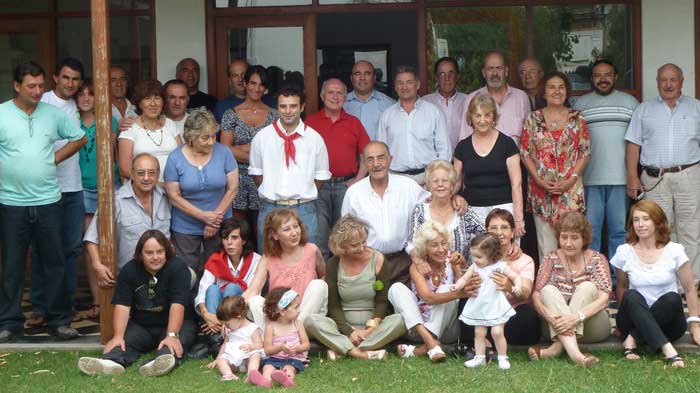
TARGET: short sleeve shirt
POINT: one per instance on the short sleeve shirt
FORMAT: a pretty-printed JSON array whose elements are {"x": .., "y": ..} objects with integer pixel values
[
  {"x": 27, "y": 159},
  {"x": 158, "y": 143},
  {"x": 203, "y": 186}
]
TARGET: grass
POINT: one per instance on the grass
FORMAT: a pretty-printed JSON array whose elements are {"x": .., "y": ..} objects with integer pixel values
[{"x": 57, "y": 372}]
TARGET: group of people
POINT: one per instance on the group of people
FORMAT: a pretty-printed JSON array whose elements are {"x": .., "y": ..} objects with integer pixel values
[{"x": 369, "y": 221}]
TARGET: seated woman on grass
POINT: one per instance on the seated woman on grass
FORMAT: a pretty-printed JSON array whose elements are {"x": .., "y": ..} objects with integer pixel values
[{"x": 649, "y": 266}]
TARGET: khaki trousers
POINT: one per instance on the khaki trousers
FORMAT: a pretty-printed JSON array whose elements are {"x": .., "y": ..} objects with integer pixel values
[
  {"x": 326, "y": 332},
  {"x": 593, "y": 329},
  {"x": 546, "y": 236}
]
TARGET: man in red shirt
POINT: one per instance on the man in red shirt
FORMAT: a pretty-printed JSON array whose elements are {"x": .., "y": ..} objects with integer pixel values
[{"x": 345, "y": 138}]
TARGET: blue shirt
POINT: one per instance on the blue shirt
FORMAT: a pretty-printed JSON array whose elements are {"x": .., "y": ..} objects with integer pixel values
[
  {"x": 233, "y": 101},
  {"x": 203, "y": 187},
  {"x": 368, "y": 111},
  {"x": 27, "y": 158}
]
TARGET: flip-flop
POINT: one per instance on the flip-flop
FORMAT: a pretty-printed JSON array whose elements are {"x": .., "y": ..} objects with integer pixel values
[
  {"x": 673, "y": 359},
  {"x": 258, "y": 379},
  {"x": 436, "y": 354},
  {"x": 282, "y": 378}
]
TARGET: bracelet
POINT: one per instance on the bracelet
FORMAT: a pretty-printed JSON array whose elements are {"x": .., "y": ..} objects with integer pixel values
[
  {"x": 693, "y": 319},
  {"x": 574, "y": 175}
]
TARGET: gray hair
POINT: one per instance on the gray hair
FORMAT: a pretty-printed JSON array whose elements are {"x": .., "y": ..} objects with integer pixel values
[
  {"x": 198, "y": 121},
  {"x": 669, "y": 65},
  {"x": 440, "y": 164},
  {"x": 428, "y": 232}
]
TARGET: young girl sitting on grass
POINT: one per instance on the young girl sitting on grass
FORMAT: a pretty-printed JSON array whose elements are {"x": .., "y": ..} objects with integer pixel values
[
  {"x": 286, "y": 343},
  {"x": 490, "y": 307},
  {"x": 243, "y": 344}
]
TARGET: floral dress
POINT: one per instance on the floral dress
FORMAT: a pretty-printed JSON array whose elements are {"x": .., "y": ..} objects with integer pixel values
[
  {"x": 555, "y": 153},
  {"x": 247, "y": 197}
]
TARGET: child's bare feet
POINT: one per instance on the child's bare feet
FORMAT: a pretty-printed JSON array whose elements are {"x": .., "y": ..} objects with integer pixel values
[{"x": 282, "y": 378}]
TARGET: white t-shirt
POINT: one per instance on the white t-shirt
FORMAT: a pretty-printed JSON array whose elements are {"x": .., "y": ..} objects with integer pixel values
[
  {"x": 651, "y": 280},
  {"x": 68, "y": 171},
  {"x": 180, "y": 126},
  {"x": 158, "y": 143}
]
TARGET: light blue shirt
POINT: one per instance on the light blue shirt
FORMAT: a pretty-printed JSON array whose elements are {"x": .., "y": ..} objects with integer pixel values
[
  {"x": 667, "y": 137},
  {"x": 607, "y": 118},
  {"x": 368, "y": 111},
  {"x": 416, "y": 138},
  {"x": 27, "y": 159}
]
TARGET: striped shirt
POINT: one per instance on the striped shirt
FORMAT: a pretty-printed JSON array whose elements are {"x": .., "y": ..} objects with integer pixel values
[{"x": 553, "y": 272}]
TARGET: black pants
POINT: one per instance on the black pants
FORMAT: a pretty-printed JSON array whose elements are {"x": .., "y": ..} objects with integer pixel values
[
  {"x": 140, "y": 339},
  {"x": 522, "y": 329},
  {"x": 657, "y": 325}
]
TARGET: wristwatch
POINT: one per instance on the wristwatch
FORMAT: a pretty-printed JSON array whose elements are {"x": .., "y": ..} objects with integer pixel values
[
  {"x": 581, "y": 316},
  {"x": 173, "y": 334}
]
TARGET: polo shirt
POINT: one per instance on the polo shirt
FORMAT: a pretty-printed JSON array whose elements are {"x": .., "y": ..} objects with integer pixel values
[
  {"x": 512, "y": 111},
  {"x": 27, "y": 158},
  {"x": 344, "y": 140},
  {"x": 368, "y": 111}
]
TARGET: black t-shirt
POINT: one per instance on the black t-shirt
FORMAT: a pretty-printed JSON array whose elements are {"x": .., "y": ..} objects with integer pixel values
[
  {"x": 152, "y": 309},
  {"x": 200, "y": 99},
  {"x": 486, "y": 178}
]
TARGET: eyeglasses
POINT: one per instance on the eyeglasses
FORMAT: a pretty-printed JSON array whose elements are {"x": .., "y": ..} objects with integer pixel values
[{"x": 152, "y": 282}]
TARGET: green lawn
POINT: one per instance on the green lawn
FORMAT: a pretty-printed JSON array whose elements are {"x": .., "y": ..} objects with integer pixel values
[{"x": 57, "y": 372}]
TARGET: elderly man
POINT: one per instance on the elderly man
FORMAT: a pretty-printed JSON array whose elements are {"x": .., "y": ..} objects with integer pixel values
[
  {"x": 608, "y": 112},
  {"x": 667, "y": 131},
  {"x": 30, "y": 199},
  {"x": 451, "y": 103},
  {"x": 140, "y": 205},
  {"x": 118, "y": 84},
  {"x": 364, "y": 102},
  {"x": 176, "y": 100},
  {"x": 513, "y": 104},
  {"x": 187, "y": 70},
  {"x": 345, "y": 138},
  {"x": 288, "y": 162},
  {"x": 413, "y": 129},
  {"x": 531, "y": 73}
]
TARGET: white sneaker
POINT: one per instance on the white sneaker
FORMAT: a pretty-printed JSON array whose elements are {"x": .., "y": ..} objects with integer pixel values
[
  {"x": 503, "y": 362},
  {"x": 158, "y": 366},
  {"x": 97, "y": 366},
  {"x": 476, "y": 361}
]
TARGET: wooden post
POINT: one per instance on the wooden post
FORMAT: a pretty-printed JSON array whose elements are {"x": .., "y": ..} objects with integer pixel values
[{"x": 105, "y": 160}]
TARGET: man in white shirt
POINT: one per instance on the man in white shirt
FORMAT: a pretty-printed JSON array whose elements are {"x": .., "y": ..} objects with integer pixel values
[
  {"x": 68, "y": 76},
  {"x": 451, "y": 102},
  {"x": 364, "y": 102},
  {"x": 288, "y": 162},
  {"x": 414, "y": 129},
  {"x": 176, "y": 99}
]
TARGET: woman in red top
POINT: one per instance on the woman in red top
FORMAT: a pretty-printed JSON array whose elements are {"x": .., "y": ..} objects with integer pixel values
[{"x": 555, "y": 148}]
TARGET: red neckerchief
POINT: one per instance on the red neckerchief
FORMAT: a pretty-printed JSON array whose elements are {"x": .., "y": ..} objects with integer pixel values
[
  {"x": 289, "y": 149},
  {"x": 218, "y": 266}
]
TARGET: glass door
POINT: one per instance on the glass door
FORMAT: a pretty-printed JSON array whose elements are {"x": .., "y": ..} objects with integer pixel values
[{"x": 20, "y": 41}]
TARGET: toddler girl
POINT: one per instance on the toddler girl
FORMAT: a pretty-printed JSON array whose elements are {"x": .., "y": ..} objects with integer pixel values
[
  {"x": 286, "y": 343},
  {"x": 243, "y": 345},
  {"x": 490, "y": 307}
]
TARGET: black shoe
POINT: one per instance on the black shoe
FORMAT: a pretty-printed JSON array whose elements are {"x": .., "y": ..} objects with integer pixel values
[
  {"x": 8, "y": 335},
  {"x": 64, "y": 332},
  {"x": 198, "y": 351},
  {"x": 214, "y": 342}
]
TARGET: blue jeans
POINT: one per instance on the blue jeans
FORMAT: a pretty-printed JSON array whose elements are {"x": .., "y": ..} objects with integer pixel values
[
  {"x": 609, "y": 203},
  {"x": 328, "y": 205},
  {"x": 214, "y": 295},
  {"x": 40, "y": 226},
  {"x": 305, "y": 211},
  {"x": 72, "y": 216}
]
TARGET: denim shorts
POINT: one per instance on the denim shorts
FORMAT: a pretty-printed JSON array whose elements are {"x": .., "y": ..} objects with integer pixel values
[
  {"x": 90, "y": 201},
  {"x": 279, "y": 363}
]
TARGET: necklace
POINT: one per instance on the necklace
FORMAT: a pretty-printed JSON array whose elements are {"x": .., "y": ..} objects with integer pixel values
[
  {"x": 438, "y": 276},
  {"x": 571, "y": 271},
  {"x": 157, "y": 132}
]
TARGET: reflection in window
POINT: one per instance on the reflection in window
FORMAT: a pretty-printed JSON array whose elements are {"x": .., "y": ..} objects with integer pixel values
[
  {"x": 266, "y": 3},
  {"x": 84, "y": 5},
  {"x": 13, "y": 6},
  {"x": 466, "y": 34},
  {"x": 16, "y": 48},
  {"x": 322, "y": 2}
]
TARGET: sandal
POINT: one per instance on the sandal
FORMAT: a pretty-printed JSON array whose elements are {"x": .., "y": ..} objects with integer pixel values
[
  {"x": 405, "y": 350},
  {"x": 36, "y": 320},
  {"x": 93, "y": 312},
  {"x": 589, "y": 360},
  {"x": 436, "y": 354},
  {"x": 534, "y": 353},
  {"x": 376, "y": 355},
  {"x": 675, "y": 359},
  {"x": 631, "y": 352}
]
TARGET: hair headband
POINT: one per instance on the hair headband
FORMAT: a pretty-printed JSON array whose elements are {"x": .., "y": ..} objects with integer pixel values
[{"x": 286, "y": 299}]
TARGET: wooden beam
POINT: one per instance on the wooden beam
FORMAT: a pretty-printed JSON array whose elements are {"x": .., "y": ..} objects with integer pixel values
[
  {"x": 310, "y": 80},
  {"x": 105, "y": 159}
]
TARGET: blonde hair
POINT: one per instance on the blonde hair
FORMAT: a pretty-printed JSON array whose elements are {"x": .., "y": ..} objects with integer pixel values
[
  {"x": 347, "y": 229},
  {"x": 198, "y": 122},
  {"x": 440, "y": 164},
  {"x": 428, "y": 232},
  {"x": 482, "y": 101}
]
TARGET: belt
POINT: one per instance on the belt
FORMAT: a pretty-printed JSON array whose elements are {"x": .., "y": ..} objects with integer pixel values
[
  {"x": 656, "y": 172},
  {"x": 288, "y": 202},
  {"x": 411, "y": 172},
  {"x": 340, "y": 179}
]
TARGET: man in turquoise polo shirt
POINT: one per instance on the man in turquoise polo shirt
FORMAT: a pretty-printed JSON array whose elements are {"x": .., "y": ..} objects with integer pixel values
[{"x": 30, "y": 198}]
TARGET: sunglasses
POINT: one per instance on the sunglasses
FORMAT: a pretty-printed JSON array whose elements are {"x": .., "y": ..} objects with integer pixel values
[{"x": 152, "y": 282}]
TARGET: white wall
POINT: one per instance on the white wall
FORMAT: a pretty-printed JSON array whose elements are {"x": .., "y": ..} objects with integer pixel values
[
  {"x": 667, "y": 37},
  {"x": 180, "y": 33}
]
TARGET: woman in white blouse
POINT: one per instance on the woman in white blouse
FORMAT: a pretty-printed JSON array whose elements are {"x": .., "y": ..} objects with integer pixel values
[{"x": 647, "y": 266}]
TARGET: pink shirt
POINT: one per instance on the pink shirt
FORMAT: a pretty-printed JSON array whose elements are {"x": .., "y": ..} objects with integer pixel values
[
  {"x": 513, "y": 111},
  {"x": 453, "y": 110},
  {"x": 296, "y": 277},
  {"x": 525, "y": 268}
]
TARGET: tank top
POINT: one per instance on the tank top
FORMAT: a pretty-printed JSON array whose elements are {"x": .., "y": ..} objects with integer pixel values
[
  {"x": 357, "y": 293},
  {"x": 289, "y": 338},
  {"x": 297, "y": 276}
]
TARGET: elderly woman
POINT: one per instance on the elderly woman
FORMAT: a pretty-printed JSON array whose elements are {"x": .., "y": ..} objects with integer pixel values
[
  {"x": 429, "y": 308},
  {"x": 201, "y": 179},
  {"x": 488, "y": 164},
  {"x": 357, "y": 278},
  {"x": 648, "y": 268},
  {"x": 524, "y": 327},
  {"x": 572, "y": 293},
  {"x": 555, "y": 148},
  {"x": 239, "y": 125},
  {"x": 440, "y": 179},
  {"x": 151, "y": 132},
  {"x": 289, "y": 260}
]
